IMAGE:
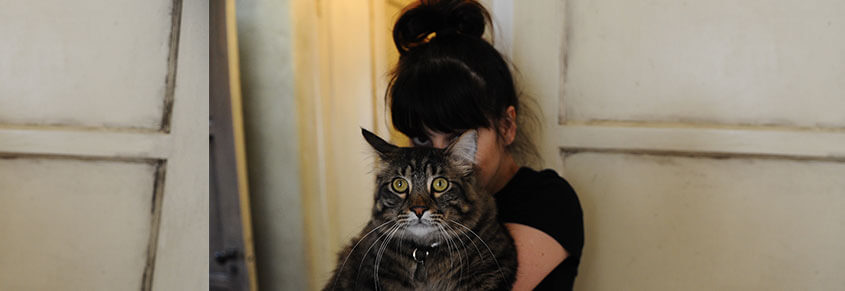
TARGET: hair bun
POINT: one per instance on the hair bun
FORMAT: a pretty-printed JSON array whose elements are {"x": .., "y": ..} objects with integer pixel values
[{"x": 442, "y": 17}]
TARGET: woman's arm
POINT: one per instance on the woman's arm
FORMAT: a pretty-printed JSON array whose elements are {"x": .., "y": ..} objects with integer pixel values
[{"x": 537, "y": 253}]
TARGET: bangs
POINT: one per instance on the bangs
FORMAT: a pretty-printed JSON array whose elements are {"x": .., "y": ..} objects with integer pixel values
[{"x": 443, "y": 95}]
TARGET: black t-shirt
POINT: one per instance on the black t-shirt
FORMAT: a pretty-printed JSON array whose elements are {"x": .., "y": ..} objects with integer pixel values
[{"x": 545, "y": 201}]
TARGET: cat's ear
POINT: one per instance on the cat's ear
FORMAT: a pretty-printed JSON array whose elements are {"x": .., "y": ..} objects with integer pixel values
[
  {"x": 382, "y": 147},
  {"x": 462, "y": 150}
]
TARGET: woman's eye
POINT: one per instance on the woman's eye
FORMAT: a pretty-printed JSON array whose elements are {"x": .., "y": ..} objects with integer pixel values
[{"x": 421, "y": 141}]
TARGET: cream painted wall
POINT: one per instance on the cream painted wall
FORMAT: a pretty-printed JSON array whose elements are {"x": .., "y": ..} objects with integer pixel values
[
  {"x": 270, "y": 121},
  {"x": 704, "y": 138}
]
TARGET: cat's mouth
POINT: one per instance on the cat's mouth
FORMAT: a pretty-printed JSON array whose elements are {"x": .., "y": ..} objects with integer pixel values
[{"x": 420, "y": 228}]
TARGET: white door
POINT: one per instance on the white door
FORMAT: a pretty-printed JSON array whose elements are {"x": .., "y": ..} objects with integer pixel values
[
  {"x": 706, "y": 139},
  {"x": 103, "y": 145}
]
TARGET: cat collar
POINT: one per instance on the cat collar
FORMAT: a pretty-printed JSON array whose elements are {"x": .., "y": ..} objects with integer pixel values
[{"x": 419, "y": 254}]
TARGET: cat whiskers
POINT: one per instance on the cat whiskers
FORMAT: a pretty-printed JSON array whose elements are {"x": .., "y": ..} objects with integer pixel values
[
  {"x": 492, "y": 255},
  {"x": 466, "y": 262},
  {"x": 380, "y": 252},
  {"x": 477, "y": 250},
  {"x": 435, "y": 218},
  {"x": 364, "y": 256},
  {"x": 448, "y": 241},
  {"x": 334, "y": 285},
  {"x": 450, "y": 237}
]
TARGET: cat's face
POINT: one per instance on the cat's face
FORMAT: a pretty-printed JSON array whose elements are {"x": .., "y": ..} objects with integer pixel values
[
  {"x": 425, "y": 193},
  {"x": 490, "y": 157}
]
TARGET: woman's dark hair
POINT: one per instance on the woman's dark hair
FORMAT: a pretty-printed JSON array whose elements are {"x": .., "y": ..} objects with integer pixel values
[{"x": 449, "y": 78}]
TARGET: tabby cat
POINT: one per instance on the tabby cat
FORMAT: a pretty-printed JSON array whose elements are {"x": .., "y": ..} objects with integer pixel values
[{"x": 432, "y": 225}]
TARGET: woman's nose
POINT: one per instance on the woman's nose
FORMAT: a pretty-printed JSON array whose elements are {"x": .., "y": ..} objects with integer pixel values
[{"x": 439, "y": 142}]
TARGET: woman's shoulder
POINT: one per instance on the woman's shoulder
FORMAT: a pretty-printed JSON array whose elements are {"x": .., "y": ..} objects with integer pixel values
[
  {"x": 546, "y": 201},
  {"x": 530, "y": 191},
  {"x": 529, "y": 183}
]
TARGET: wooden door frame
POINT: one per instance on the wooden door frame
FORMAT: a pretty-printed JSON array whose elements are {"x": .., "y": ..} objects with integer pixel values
[{"x": 228, "y": 172}]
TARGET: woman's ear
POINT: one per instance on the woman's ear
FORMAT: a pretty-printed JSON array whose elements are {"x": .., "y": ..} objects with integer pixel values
[{"x": 507, "y": 126}]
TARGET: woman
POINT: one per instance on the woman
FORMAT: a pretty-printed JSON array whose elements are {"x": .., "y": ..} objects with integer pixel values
[{"x": 448, "y": 80}]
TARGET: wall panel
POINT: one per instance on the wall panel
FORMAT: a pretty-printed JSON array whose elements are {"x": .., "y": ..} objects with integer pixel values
[
  {"x": 75, "y": 224},
  {"x": 715, "y": 62},
  {"x": 658, "y": 222},
  {"x": 65, "y": 71}
]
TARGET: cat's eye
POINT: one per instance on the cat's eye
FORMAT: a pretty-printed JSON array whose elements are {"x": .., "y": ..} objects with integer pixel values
[
  {"x": 439, "y": 184},
  {"x": 399, "y": 185}
]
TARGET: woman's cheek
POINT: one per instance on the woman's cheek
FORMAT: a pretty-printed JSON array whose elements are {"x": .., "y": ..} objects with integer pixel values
[{"x": 486, "y": 164}]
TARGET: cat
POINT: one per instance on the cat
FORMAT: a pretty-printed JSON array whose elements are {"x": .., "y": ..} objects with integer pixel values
[{"x": 432, "y": 226}]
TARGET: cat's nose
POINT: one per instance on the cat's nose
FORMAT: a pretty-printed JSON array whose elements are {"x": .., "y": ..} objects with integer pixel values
[{"x": 419, "y": 210}]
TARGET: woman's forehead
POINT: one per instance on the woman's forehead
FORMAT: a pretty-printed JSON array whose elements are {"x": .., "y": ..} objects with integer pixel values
[
  {"x": 447, "y": 135},
  {"x": 434, "y": 132}
]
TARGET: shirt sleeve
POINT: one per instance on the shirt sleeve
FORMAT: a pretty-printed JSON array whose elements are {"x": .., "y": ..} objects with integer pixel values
[{"x": 553, "y": 208}]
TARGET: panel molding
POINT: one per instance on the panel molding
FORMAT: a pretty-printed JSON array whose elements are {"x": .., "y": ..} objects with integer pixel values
[
  {"x": 152, "y": 245},
  {"x": 85, "y": 143},
  {"x": 181, "y": 262},
  {"x": 697, "y": 141},
  {"x": 172, "y": 60},
  {"x": 568, "y": 152}
]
